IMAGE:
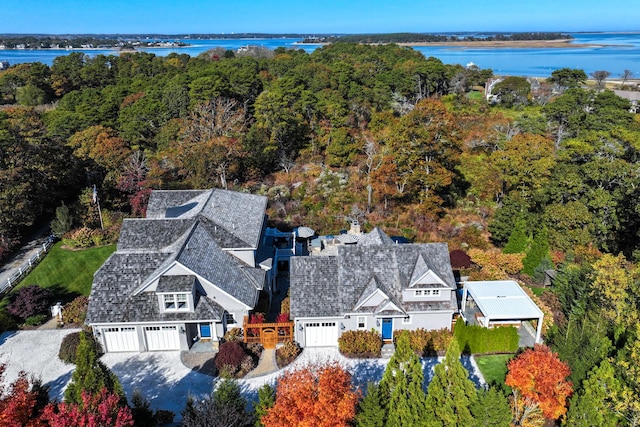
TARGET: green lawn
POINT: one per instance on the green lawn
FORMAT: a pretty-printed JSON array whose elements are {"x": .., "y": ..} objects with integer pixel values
[
  {"x": 475, "y": 95},
  {"x": 493, "y": 367},
  {"x": 537, "y": 290},
  {"x": 68, "y": 273}
]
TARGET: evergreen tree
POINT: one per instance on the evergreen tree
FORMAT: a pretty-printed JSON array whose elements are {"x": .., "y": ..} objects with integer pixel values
[
  {"x": 451, "y": 393},
  {"x": 266, "y": 399},
  {"x": 491, "y": 409},
  {"x": 63, "y": 221},
  {"x": 224, "y": 408},
  {"x": 538, "y": 251},
  {"x": 401, "y": 393},
  {"x": 370, "y": 410},
  {"x": 90, "y": 375},
  {"x": 518, "y": 239},
  {"x": 141, "y": 410},
  {"x": 593, "y": 405}
]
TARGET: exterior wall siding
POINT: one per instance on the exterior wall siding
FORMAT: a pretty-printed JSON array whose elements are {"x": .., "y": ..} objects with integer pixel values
[
  {"x": 430, "y": 321},
  {"x": 409, "y": 296}
]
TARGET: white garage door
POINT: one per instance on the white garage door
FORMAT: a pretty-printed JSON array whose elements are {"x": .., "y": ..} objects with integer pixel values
[
  {"x": 162, "y": 338},
  {"x": 121, "y": 339},
  {"x": 321, "y": 334}
]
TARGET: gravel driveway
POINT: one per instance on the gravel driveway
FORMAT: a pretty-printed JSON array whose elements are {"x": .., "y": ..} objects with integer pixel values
[{"x": 160, "y": 376}]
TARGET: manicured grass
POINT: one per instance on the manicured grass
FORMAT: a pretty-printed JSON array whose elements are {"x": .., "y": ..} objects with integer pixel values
[
  {"x": 68, "y": 273},
  {"x": 537, "y": 290},
  {"x": 493, "y": 367}
]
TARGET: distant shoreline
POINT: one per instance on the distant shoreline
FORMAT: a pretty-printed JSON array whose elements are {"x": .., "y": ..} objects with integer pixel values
[{"x": 520, "y": 44}]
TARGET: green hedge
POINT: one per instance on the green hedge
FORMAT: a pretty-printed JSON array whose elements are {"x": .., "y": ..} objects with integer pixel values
[{"x": 479, "y": 340}]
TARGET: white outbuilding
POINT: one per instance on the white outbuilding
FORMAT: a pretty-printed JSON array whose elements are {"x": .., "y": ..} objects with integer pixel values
[{"x": 499, "y": 302}]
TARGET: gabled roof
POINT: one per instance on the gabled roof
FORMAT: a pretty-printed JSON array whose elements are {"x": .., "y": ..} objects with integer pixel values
[
  {"x": 423, "y": 275},
  {"x": 236, "y": 217},
  {"x": 184, "y": 228},
  {"x": 203, "y": 256},
  {"x": 375, "y": 237},
  {"x": 334, "y": 285}
]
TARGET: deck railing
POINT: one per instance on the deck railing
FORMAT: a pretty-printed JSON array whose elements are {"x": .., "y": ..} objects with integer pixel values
[{"x": 27, "y": 266}]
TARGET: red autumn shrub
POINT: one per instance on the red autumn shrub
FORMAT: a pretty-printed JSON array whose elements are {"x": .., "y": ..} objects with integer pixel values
[
  {"x": 30, "y": 301},
  {"x": 230, "y": 355}
]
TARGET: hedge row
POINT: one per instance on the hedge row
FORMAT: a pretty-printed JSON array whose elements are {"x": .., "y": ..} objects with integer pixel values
[
  {"x": 428, "y": 342},
  {"x": 360, "y": 344},
  {"x": 478, "y": 340}
]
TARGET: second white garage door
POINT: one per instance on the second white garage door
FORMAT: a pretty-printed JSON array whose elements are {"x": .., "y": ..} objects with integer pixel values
[
  {"x": 162, "y": 338},
  {"x": 321, "y": 334}
]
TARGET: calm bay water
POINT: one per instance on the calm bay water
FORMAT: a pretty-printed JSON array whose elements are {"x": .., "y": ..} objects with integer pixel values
[{"x": 614, "y": 53}]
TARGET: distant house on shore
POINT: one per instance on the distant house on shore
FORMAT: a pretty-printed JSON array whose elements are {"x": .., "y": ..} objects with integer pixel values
[{"x": 633, "y": 97}]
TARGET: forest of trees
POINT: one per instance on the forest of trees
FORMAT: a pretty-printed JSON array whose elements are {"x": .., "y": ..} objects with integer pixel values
[{"x": 382, "y": 133}]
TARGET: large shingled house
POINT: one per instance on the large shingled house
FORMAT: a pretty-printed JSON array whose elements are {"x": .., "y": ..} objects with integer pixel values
[
  {"x": 189, "y": 270},
  {"x": 374, "y": 284}
]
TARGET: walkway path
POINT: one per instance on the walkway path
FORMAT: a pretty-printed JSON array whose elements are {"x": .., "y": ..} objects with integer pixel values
[{"x": 267, "y": 364}]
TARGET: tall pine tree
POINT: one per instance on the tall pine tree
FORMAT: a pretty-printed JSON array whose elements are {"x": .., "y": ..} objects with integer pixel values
[
  {"x": 90, "y": 375},
  {"x": 266, "y": 399},
  {"x": 538, "y": 251},
  {"x": 518, "y": 239},
  {"x": 451, "y": 393},
  {"x": 371, "y": 413},
  {"x": 491, "y": 409},
  {"x": 593, "y": 406},
  {"x": 401, "y": 393}
]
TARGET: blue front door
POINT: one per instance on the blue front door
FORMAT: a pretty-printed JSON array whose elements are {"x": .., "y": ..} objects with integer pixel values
[
  {"x": 205, "y": 330},
  {"x": 387, "y": 329}
]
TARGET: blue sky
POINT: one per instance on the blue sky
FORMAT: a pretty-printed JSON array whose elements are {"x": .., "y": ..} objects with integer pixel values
[{"x": 319, "y": 16}]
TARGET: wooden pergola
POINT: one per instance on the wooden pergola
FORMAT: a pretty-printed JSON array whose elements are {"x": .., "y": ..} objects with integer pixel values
[{"x": 267, "y": 334}]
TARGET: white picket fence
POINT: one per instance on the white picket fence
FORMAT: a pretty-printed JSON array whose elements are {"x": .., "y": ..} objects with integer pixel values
[{"x": 25, "y": 268}]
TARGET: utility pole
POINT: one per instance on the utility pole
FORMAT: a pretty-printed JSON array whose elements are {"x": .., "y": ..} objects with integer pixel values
[{"x": 97, "y": 202}]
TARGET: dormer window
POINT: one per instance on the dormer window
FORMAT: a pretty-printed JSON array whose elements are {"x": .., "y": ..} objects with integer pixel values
[
  {"x": 419, "y": 293},
  {"x": 175, "y": 302}
]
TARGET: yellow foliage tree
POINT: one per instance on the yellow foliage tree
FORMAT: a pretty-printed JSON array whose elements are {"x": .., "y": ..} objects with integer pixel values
[{"x": 494, "y": 264}]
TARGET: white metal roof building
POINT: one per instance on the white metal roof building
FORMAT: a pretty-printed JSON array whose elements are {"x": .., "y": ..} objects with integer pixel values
[{"x": 501, "y": 301}]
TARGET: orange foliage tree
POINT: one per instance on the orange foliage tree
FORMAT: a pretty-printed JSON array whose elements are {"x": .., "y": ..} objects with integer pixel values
[
  {"x": 540, "y": 377},
  {"x": 313, "y": 396}
]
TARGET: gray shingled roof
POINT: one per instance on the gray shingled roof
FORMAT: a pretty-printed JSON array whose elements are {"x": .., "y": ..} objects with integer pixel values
[
  {"x": 186, "y": 203},
  {"x": 241, "y": 214},
  {"x": 238, "y": 218},
  {"x": 181, "y": 227},
  {"x": 202, "y": 255},
  {"x": 332, "y": 286},
  {"x": 313, "y": 291},
  {"x": 375, "y": 237},
  {"x": 151, "y": 234},
  {"x": 176, "y": 284}
]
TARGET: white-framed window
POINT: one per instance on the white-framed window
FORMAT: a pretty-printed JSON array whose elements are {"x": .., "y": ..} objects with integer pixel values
[
  {"x": 406, "y": 320},
  {"x": 228, "y": 318},
  {"x": 427, "y": 293},
  {"x": 175, "y": 302},
  {"x": 362, "y": 322}
]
